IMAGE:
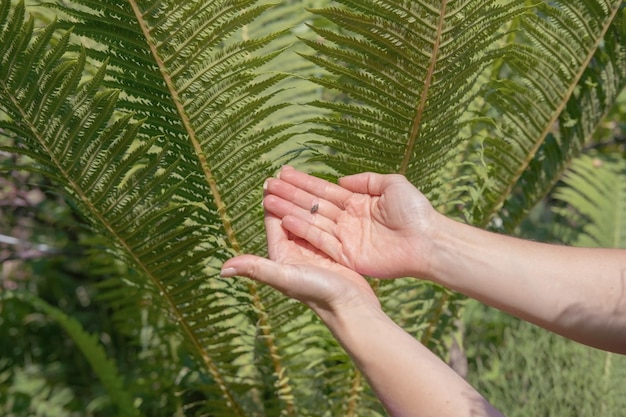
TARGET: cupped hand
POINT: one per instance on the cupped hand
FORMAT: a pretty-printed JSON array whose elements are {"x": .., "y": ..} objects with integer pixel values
[
  {"x": 378, "y": 225},
  {"x": 302, "y": 272}
]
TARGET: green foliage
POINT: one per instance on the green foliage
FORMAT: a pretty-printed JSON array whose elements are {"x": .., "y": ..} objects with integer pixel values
[
  {"x": 524, "y": 370},
  {"x": 410, "y": 73},
  {"x": 105, "y": 369},
  {"x": 594, "y": 201},
  {"x": 161, "y": 120}
]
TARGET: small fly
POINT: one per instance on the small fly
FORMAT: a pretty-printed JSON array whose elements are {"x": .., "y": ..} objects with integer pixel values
[{"x": 314, "y": 208}]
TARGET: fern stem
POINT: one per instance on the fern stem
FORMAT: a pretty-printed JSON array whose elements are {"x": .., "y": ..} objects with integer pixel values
[
  {"x": 212, "y": 368},
  {"x": 417, "y": 121},
  {"x": 79, "y": 192},
  {"x": 411, "y": 143},
  {"x": 353, "y": 397},
  {"x": 204, "y": 165},
  {"x": 284, "y": 389},
  {"x": 432, "y": 323}
]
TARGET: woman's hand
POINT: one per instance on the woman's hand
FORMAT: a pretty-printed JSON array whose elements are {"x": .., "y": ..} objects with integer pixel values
[
  {"x": 378, "y": 225},
  {"x": 302, "y": 272},
  {"x": 406, "y": 376}
]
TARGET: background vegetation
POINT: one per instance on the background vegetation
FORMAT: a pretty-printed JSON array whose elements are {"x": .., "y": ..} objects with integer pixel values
[{"x": 490, "y": 109}]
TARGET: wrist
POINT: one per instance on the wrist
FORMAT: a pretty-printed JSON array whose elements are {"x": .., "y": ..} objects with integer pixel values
[
  {"x": 431, "y": 258},
  {"x": 459, "y": 251},
  {"x": 341, "y": 317}
]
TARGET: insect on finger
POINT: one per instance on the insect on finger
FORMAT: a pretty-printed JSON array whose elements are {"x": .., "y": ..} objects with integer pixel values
[{"x": 315, "y": 207}]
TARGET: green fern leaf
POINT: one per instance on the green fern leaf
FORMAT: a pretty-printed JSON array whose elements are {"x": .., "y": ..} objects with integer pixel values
[
  {"x": 595, "y": 94},
  {"x": 408, "y": 76},
  {"x": 104, "y": 368},
  {"x": 178, "y": 192},
  {"x": 561, "y": 51},
  {"x": 400, "y": 64},
  {"x": 118, "y": 179},
  {"x": 594, "y": 198}
]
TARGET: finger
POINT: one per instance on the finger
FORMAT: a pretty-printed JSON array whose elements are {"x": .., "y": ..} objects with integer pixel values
[
  {"x": 259, "y": 269},
  {"x": 316, "y": 236},
  {"x": 301, "y": 198},
  {"x": 277, "y": 234},
  {"x": 274, "y": 232},
  {"x": 293, "y": 200},
  {"x": 370, "y": 182},
  {"x": 315, "y": 218},
  {"x": 315, "y": 186}
]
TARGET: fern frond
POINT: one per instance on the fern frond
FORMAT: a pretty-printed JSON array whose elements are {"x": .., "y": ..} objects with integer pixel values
[
  {"x": 408, "y": 73},
  {"x": 561, "y": 51},
  {"x": 120, "y": 180},
  {"x": 594, "y": 198},
  {"x": 105, "y": 369},
  {"x": 401, "y": 65},
  {"x": 595, "y": 95},
  {"x": 184, "y": 194}
]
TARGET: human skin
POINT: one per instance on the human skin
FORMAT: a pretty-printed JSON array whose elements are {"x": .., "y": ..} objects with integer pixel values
[
  {"x": 382, "y": 226},
  {"x": 408, "y": 378},
  {"x": 320, "y": 233}
]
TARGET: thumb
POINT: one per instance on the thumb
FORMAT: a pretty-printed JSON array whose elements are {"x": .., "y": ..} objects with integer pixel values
[
  {"x": 250, "y": 266},
  {"x": 257, "y": 268}
]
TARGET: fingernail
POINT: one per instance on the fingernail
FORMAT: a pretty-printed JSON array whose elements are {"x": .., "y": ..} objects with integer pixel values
[
  {"x": 228, "y": 272},
  {"x": 265, "y": 184}
]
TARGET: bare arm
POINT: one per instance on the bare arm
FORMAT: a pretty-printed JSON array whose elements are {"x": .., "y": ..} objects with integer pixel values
[
  {"x": 407, "y": 378},
  {"x": 579, "y": 293},
  {"x": 381, "y": 225}
]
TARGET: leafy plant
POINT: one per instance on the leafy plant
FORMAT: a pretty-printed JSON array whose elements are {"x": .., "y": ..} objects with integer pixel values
[
  {"x": 161, "y": 120},
  {"x": 593, "y": 197},
  {"x": 105, "y": 369},
  {"x": 531, "y": 371}
]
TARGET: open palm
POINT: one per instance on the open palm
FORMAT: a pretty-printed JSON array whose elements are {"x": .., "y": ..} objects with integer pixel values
[{"x": 378, "y": 225}]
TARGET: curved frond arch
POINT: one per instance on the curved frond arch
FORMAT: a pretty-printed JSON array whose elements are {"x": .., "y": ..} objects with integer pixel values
[{"x": 594, "y": 197}]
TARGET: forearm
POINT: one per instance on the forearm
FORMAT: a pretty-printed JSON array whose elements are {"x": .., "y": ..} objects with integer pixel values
[
  {"x": 576, "y": 292},
  {"x": 407, "y": 378}
]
